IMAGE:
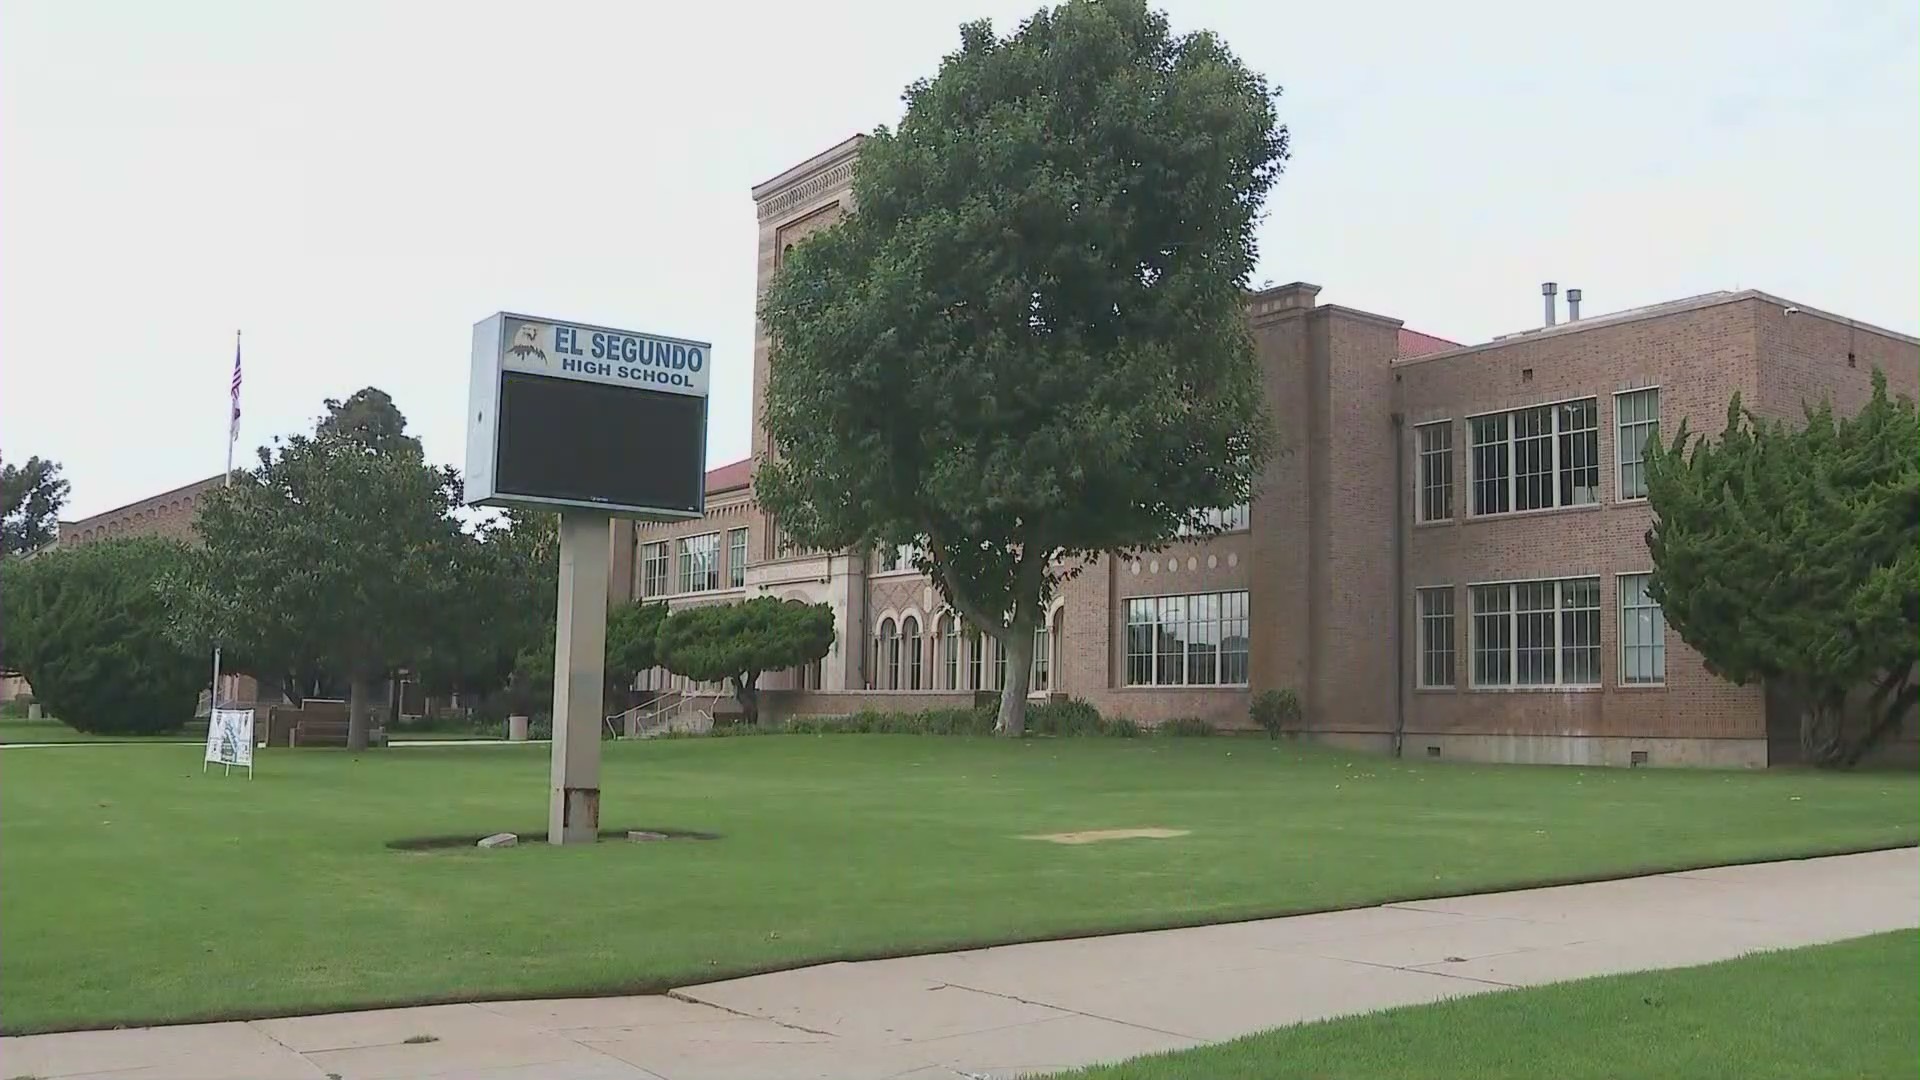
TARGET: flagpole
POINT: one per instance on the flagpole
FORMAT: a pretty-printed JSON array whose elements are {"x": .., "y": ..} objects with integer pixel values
[{"x": 233, "y": 435}]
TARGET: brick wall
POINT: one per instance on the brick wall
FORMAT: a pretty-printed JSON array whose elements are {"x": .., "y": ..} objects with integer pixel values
[{"x": 170, "y": 514}]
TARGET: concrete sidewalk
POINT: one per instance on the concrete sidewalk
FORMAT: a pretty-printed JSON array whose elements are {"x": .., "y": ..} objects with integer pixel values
[{"x": 1022, "y": 1008}]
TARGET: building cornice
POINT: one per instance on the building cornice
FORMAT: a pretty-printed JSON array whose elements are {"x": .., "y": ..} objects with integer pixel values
[{"x": 807, "y": 181}]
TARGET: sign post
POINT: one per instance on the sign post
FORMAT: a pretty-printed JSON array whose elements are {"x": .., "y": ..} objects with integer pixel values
[{"x": 593, "y": 423}]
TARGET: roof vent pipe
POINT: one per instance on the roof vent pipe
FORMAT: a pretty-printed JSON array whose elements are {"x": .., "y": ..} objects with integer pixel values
[
  {"x": 1548, "y": 290},
  {"x": 1573, "y": 305}
]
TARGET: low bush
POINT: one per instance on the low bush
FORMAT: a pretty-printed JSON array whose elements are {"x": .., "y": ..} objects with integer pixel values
[
  {"x": 1184, "y": 727},
  {"x": 1277, "y": 711},
  {"x": 16, "y": 709},
  {"x": 1069, "y": 717}
]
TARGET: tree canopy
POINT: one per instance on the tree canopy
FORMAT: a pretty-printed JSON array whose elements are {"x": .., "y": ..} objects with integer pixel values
[
  {"x": 737, "y": 642},
  {"x": 32, "y": 495},
  {"x": 88, "y": 628},
  {"x": 1790, "y": 555},
  {"x": 338, "y": 549},
  {"x": 1028, "y": 347}
]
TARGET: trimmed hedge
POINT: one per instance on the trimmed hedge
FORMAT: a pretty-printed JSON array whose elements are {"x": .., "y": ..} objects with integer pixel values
[{"x": 1069, "y": 718}]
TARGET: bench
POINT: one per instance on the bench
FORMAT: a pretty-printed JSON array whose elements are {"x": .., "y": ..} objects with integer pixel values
[{"x": 329, "y": 730}]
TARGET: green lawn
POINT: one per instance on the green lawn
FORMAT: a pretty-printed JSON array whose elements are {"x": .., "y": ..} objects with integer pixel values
[
  {"x": 139, "y": 890},
  {"x": 1838, "y": 1011}
]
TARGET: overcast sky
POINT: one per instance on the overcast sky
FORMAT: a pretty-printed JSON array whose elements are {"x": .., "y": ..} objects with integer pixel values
[{"x": 354, "y": 184}]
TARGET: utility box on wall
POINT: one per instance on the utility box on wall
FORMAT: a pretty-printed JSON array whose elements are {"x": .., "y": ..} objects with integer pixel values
[{"x": 564, "y": 414}]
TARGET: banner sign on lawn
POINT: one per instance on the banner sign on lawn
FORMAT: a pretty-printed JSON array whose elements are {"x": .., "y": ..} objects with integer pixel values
[{"x": 230, "y": 739}]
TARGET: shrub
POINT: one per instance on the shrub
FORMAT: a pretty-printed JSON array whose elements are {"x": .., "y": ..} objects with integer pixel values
[
  {"x": 1069, "y": 717},
  {"x": 88, "y": 628},
  {"x": 16, "y": 709},
  {"x": 1182, "y": 727},
  {"x": 1276, "y": 711}
]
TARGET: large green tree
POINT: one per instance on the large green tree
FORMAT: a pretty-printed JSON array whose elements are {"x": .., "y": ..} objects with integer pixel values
[
  {"x": 32, "y": 495},
  {"x": 88, "y": 628},
  {"x": 739, "y": 642},
  {"x": 1789, "y": 554},
  {"x": 1028, "y": 346},
  {"x": 338, "y": 550}
]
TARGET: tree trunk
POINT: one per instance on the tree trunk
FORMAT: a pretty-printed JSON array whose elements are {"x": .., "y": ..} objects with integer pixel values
[
  {"x": 1820, "y": 732},
  {"x": 1891, "y": 700},
  {"x": 1012, "y": 721},
  {"x": 746, "y": 689},
  {"x": 360, "y": 693}
]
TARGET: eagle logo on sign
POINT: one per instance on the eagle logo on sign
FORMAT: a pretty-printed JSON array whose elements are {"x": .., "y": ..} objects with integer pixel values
[{"x": 526, "y": 346}]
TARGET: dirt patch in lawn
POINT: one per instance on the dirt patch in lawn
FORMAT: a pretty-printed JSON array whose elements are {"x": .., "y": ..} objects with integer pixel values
[
  {"x": 437, "y": 843},
  {"x": 1095, "y": 836}
]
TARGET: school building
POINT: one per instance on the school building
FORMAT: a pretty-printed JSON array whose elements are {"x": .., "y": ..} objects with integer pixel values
[{"x": 1448, "y": 556}]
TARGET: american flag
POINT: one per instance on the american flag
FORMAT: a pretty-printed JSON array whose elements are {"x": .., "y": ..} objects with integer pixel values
[{"x": 234, "y": 431}]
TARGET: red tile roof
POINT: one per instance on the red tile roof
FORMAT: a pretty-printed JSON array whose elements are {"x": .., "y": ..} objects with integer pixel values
[
  {"x": 727, "y": 477},
  {"x": 1415, "y": 343}
]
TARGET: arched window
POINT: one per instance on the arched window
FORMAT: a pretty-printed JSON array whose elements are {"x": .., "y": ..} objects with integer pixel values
[
  {"x": 974, "y": 656},
  {"x": 999, "y": 664},
  {"x": 886, "y": 658},
  {"x": 910, "y": 643},
  {"x": 1042, "y": 671},
  {"x": 948, "y": 636}
]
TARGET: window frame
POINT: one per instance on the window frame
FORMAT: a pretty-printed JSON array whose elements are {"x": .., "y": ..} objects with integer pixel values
[
  {"x": 1424, "y": 619},
  {"x": 1657, "y": 647},
  {"x": 910, "y": 644},
  {"x": 1554, "y": 436},
  {"x": 1040, "y": 669},
  {"x": 1422, "y": 482},
  {"x": 737, "y": 558},
  {"x": 666, "y": 569},
  {"x": 1172, "y": 642},
  {"x": 686, "y": 563},
  {"x": 1620, "y": 426},
  {"x": 1512, "y": 649}
]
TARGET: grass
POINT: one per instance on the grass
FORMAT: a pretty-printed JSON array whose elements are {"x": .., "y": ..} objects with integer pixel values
[
  {"x": 139, "y": 890},
  {"x": 1844, "y": 1010}
]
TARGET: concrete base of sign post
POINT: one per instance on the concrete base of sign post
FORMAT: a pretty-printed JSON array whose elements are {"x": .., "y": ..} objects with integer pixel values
[
  {"x": 516, "y": 729},
  {"x": 579, "y": 673}
]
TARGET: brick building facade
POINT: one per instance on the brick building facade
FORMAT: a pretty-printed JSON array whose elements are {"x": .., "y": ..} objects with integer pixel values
[{"x": 1448, "y": 552}]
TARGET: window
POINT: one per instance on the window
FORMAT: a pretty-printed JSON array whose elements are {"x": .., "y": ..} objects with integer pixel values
[
  {"x": 1231, "y": 519},
  {"x": 736, "y": 558},
  {"x": 1198, "y": 640},
  {"x": 700, "y": 563},
  {"x": 1536, "y": 633},
  {"x": 1436, "y": 637},
  {"x": 1042, "y": 669},
  {"x": 898, "y": 556},
  {"x": 886, "y": 657},
  {"x": 1643, "y": 633},
  {"x": 1536, "y": 458},
  {"x": 1638, "y": 416},
  {"x": 973, "y": 643},
  {"x": 999, "y": 661},
  {"x": 910, "y": 644},
  {"x": 653, "y": 569},
  {"x": 1435, "y": 443},
  {"x": 950, "y": 651}
]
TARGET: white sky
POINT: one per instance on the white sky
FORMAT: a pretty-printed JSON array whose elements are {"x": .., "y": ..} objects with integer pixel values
[{"x": 356, "y": 183}]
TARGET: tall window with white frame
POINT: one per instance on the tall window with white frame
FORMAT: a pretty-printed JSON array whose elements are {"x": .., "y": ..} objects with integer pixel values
[
  {"x": 1637, "y": 414},
  {"x": 910, "y": 645},
  {"x": 972, "y": 643},
  {"x": 1196, "y": 640},
  {"x": 700, "y": 563},
  {"x": 949, "y": 652},
  {"x": 1537, "y": 633},
  {"x": 886, "y": 657},
  {"x": 1041, "y": 671},
  {"x": 653, "y": 570},
  {"x": 1643, "y": 633},
  {"x": 1536, "y": 458},
  {"x": 736, "y": 558},
  {"x": 1435, "y": 444},
  {"x": 1436, "y": 638}
]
